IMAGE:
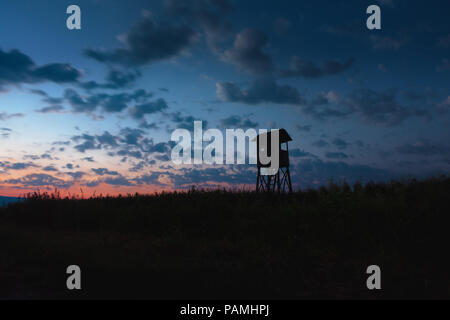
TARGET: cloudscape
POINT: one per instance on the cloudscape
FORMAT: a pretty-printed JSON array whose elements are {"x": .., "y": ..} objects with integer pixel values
[{"x": 92, "y": 110}]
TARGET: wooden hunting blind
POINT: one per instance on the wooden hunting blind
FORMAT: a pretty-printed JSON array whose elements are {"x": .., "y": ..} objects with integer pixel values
[{"x": 274, "y": 180}]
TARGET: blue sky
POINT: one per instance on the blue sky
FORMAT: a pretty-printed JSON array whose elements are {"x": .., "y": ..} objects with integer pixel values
[{"x": 360, "y": 104}]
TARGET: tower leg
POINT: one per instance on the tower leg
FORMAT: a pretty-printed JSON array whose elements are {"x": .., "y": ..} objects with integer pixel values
[
  {"x": 278, "y": 181},
  {"x": 258, "y": 180},
  {"x": 289, "y": 180}
]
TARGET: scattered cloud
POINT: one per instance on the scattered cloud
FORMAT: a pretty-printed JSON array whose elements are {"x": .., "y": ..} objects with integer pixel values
[
  {"x": 388, "y": 42},
  {"x": 6, "y": 165},
  {"x": 305, "y": 128},
  {"x": 320, "y": 143},
  {"x": 444, "y": 41},
  {"x": 316, "y": 172},
  {"x": 16, "y": 68},
  {"x": 116, "y": 79},
  {"x": 147, "y": 42},
  {"x": 104, "y": 171},
  {"x": 139, "y": 111},
  {"x": 39, "y": 180},
  {"x": 340, "y": 143},
  {"x": 336, "y": 155},
  {"x": 260, "y": 91},
  {"x": 282, "y": 25},
  {"x": 298, "y": 153},
  {"x": 444, "y": 66},
  {"x": 424, "y": 148},
  {"x": 209, "y": 15},
  {"x": 6, "y": 116},
  {"x": 248, "y": 53},
  {"x": 311, "y": 70},
  {"x": 5, "y": 132},
  {"x": 236, "y": 121}
]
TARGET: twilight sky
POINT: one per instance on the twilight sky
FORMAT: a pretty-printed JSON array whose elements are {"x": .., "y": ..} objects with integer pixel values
[{"x": 93, "y": 109}]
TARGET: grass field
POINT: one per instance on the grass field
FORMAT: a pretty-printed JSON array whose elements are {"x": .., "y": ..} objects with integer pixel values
[{"x": 232, "y": 245}]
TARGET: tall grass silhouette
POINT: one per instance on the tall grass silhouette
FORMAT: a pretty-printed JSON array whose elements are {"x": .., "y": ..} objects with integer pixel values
[{"x": 222, "y": 244}]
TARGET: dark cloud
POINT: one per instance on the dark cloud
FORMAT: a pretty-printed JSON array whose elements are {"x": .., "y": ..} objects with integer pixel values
[
  {"x": 140, "y": 166},
  {"x": 119, "y": 79},
  {"x": 298, "y": 153},
  {"x": 17, "y": 165},
  {"x": 149, "y": 179},
  {"x": 107, "y": 140},
  {"x": 424, "y": 148},
  {"x": 110, "y": 103},
  {"x": 305, "y": 128},
  {"x": 130, "y": 143},
  {"x": 118, "y": 181},
  {"x": 57, "y": 72},
  {"x": 389, "y": 3},
  {"x": 185, "y": 121},
  {"x": 131, "y": 136},
  {"x": 148, "y": 125},
  {"x": 352, "y": 28},
  {"x": 336, "y": 155},
  {"x": 40, "y": 180},
  {"x": 311, "y": 70},
  {"x": 443, "y": 107},
  {"x": 161, "y": 147},
  {"x": 382, "y": 108},
  {"x": 340, "y": 143},
  {"x": 46, "y": 156},
  {"x": 50, "y": 168},
  {"x": 315, "y": 172},
  {"x": 78, "y": 103},
  {"x": 104, "y": 171},
  {"x": 282, "y": 25},
  {"x": 6, "y": 116},
  {"x": 76, "y": 175},
  {"x": 88, "y": 143},
  {"x": 320, "y": 143},
  {"x": 31, "y": 157},
  {"x": 5, "y": 132},
  {"x": 210, "y": 15},
  {"x": 46, "y": 97},
  {"x": 17, "y": 68},
  {"x": 147, "y": 42},
  {"x": 115, "y": 103},
  {"x": 260, "y": 91},
  {"x": 388, "y": 42},
  {"x": 61, "y": 143},
  {"x": 444, "y": 41},
  {"x": 139, "y": 111},
  {"x": 248, "y": 52},
  {"x": 51, "y": 109},
  {"x": 429, "y": 94},
  {"x": 238, "y": 122},
  {"x": 54, "y": 105},
  {"x": 116, "y": 79},
  {"x": 444, "y": 66},
  {"x": 234, "y": 175},
  {"x": 379, "y": 108}
]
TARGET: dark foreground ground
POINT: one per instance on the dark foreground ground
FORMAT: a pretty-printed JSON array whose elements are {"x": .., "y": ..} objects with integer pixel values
[{"x": 209, "y": 245}]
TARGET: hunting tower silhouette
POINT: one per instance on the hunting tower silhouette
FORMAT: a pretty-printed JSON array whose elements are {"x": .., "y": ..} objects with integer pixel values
[{"x": 270, "y": 180}]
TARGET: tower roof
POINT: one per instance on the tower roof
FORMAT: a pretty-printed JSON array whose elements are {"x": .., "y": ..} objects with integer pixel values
[{"x": 284, "y": 136}]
